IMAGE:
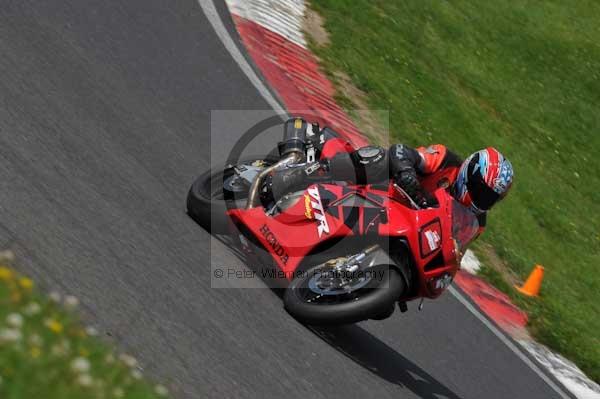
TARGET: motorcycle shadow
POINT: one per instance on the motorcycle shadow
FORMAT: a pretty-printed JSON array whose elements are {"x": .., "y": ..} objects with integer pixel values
[
  {"x": 374, "y": 355},
  {"x": 370, "y": 352}
]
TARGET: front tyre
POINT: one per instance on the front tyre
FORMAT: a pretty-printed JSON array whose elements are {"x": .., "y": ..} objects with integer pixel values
[{"x": 316, "y": 302}]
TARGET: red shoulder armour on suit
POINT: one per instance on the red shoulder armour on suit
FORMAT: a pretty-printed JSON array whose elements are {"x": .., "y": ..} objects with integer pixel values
[{"x": 433, "y": 157}]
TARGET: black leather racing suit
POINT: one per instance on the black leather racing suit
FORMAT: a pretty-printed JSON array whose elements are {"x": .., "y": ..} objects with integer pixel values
[
  {"x": 371, "y": 165},
  {"x": 366, "y": 165}
]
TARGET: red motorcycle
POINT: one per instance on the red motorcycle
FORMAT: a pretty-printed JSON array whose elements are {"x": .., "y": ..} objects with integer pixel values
[{"x": 344, "y": 252}]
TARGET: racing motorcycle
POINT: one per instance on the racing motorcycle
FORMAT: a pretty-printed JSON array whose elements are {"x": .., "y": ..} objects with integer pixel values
[{"x": 343, "y": 252}]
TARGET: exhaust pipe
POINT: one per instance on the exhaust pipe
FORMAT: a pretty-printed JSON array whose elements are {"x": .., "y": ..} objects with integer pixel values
[
  {"x": 253, "y": 193},
  {"x": 292, "y": 150}
]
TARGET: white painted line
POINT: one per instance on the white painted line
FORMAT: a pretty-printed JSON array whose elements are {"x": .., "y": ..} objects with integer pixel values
[
  {"x": 507, "y": 342},
  {"x": 213, "y": 16},
  {"x": 564, "y": 370},
  {"x": 283, "y": 17},
  {"x": 215, "y": 20}
]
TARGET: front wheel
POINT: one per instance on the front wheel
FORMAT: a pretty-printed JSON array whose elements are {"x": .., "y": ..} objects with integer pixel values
[{"x": 321, "y": 296}]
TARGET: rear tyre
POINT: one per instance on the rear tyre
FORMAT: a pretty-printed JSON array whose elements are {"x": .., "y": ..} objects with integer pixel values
[
  {"x": 371, "y": 300},
  {"x": 213, "y": 193}
]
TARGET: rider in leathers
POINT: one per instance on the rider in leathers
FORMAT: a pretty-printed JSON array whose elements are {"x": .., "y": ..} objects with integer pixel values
[{"x": 478, "y": 182}]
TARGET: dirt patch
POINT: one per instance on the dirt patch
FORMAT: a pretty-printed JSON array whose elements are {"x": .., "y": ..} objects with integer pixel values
[
  {"x": 374, "y": 124},
  {"x": 493, "y": 260},
  {"x": 314, "y": 28}
]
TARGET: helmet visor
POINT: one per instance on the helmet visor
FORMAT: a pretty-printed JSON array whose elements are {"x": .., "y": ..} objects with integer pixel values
[{"x": 483, "y": 197}]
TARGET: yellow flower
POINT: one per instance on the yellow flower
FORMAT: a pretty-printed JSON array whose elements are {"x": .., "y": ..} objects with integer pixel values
[
  {"x": 26, "y": 283},
  {"x": 5, "y": 273},
  {"x": 83, "y": 352},
  {"x": 54, "y": 326},
  {"x": 35, "y": 352}
]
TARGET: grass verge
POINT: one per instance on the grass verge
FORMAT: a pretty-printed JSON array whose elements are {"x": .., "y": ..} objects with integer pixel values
[
  {"x": 45, "y": 351},
  {"x": 523, "y": 77}
]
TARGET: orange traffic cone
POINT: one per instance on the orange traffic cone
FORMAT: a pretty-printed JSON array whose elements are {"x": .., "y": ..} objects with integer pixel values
[{"x": 534, "y": 282}]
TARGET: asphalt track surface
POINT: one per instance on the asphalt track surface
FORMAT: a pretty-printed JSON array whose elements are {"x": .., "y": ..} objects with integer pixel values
[{"x": 104, "y": 121}]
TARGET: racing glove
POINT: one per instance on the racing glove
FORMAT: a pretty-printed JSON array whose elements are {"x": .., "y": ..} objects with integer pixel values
[{"x": 407, "y": 179}]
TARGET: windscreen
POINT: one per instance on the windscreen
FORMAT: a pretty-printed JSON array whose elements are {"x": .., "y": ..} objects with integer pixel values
[
  {"x": 465, "y": 226},
  {"x": 400, "y": 196}
]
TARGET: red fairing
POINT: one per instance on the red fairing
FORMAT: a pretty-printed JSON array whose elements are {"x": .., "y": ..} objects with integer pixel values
[
  {"x": 335, "y": 146},
  {"x": 327, "y": 211}
]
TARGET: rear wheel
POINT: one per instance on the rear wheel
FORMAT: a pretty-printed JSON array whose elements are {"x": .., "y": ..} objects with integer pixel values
[
  {"x": 218, "y": 190},
  {"x": 319, "y": 297}
]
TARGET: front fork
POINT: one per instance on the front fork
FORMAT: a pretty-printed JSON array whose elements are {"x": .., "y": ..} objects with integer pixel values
[{"x": 354, "y": 262}]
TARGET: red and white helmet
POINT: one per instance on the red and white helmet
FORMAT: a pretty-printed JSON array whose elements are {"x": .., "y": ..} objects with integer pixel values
[{"x": 484, "y": 179}]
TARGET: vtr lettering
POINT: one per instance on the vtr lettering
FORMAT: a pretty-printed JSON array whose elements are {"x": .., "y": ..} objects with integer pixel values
[
  {"x": 318, "y": 212},
  {"x": 272, "y": 240}
]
